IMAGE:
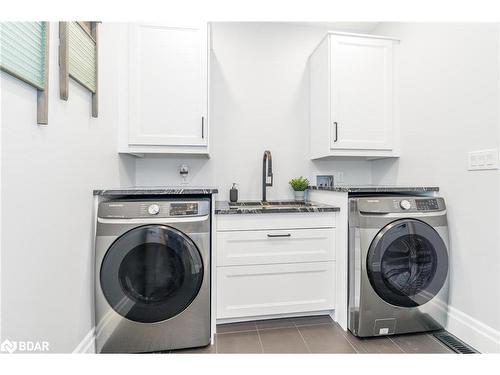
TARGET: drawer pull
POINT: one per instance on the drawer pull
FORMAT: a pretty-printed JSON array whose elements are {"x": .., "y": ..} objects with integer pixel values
[{"x": 279, "y": 235}]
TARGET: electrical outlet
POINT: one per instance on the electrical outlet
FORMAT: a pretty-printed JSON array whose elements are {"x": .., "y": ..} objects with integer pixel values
[
  {"x": 339, "y": 177},
  {"x": 483, "y": 159}
]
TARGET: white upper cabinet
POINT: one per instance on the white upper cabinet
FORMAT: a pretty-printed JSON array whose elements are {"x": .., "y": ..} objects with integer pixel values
[
  {"x": 352, "y": 97},
  {"x": 168, "y": 88},
  {"x": 361, "y": 93}
]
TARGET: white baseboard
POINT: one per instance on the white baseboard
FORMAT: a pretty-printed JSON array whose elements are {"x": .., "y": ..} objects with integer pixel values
[
  {"x": 333, "y": 315},
  {"x": 276, "y": 316},
  {"x": 478, "y": 335},
  {"x": 87, "y": 345}
]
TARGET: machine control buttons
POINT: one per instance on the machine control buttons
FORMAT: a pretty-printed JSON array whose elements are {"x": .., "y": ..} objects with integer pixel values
[
  {"x": 427, "y": 204},
  {"x": 153, "y": 209},
  {"x": 405, "y": 204},
  {"x": 183, "y": 209}
]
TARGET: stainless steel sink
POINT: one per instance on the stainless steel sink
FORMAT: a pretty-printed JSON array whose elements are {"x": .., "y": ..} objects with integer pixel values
[{"x": 275, "y": 205}]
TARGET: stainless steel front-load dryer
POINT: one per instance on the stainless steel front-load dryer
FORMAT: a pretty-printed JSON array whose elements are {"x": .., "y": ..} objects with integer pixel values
[
  {"x": 398, "y": 265},
  {"x": 152, "y": 275}
]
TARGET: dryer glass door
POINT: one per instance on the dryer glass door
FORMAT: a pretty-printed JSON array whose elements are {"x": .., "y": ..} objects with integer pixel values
[
  {"x": 407, "y": 263},
  {"x": 151, "y": 273}
]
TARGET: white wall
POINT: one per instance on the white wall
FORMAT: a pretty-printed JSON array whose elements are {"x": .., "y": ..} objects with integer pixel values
[
  {"x": 48, "y": 174},
  {"x": 448, "y": 105},
  {"x": 259, "y": 101}
]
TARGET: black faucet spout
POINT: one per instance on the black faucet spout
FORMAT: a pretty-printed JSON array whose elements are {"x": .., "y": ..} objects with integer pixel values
[{"x": 267, "y": 158}]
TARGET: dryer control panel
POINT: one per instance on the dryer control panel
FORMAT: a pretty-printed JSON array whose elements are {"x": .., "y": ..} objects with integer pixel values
[{"x": 161, "y": 208}]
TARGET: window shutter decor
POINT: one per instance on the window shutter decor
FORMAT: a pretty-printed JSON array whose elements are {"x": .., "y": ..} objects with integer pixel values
[
  {"x": 78, "y": 57},
  {"x": 24, "y": 53},
  {"x": 82, "y": 56}
]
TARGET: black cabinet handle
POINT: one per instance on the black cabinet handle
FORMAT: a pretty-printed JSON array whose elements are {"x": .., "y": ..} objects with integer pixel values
[
  {"x": 336, "y": 131},
  {"x": 279, "y": 235},
  {"x": 202, "y": 127}
]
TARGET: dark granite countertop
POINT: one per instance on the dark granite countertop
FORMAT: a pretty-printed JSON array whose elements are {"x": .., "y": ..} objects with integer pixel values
[
  {"x": 377, "y": 188},
  {"x": 157, "y": 190},
  {"x": 272, "y": 207}
]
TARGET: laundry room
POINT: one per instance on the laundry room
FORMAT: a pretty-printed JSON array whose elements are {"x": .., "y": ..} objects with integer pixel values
[{"x": 224, "y": 183}]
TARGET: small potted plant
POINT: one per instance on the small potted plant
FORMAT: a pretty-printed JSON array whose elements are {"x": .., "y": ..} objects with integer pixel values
[{"x": 299, "y": 186}]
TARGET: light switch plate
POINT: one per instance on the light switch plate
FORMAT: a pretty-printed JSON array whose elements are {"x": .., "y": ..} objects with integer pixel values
[{"x": 483, "y": 159}]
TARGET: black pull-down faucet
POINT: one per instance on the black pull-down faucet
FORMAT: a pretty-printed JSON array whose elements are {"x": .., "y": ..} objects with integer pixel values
[{"x": 267, "y": 157}]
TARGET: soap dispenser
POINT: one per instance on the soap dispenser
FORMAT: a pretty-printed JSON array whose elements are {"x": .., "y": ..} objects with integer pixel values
[{"x": 233, "y": 194}]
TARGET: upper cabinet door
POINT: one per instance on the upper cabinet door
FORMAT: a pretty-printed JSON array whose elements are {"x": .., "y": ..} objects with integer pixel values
[
  {"x": 361, "y": 93},
  {"x": 168, "y": 85}
]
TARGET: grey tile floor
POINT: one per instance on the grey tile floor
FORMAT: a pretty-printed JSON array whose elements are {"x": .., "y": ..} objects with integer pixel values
[{"x": 317, "y": 334}]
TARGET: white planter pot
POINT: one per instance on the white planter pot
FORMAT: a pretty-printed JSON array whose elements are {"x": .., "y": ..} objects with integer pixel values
[{"x": 299, "y": 195}]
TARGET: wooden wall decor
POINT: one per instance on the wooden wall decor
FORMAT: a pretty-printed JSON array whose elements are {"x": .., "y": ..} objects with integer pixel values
[
  {"x": 78, "y": 58},
  {"x": 24, "y": 54}
]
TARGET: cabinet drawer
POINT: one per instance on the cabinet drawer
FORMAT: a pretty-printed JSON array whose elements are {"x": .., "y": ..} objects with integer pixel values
[
  {"x": 275, "y": 246},
  {"x": 274, "y": 289},
  {"x": 276, "y": 221}
]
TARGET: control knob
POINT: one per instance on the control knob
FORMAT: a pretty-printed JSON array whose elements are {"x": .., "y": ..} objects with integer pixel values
[
  {"x": 153, "y": 209},
  {"x": 405, "y": 204}
]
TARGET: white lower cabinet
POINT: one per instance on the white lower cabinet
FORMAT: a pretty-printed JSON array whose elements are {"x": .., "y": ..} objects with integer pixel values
[
  {"x": 275, "y": 289},
  {"x": 288, "y": 269}
]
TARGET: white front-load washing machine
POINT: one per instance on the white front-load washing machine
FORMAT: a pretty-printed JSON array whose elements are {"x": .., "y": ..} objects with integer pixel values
[
  {"x": 152, "y": 275},
  {"x": 398, "y": 265}
]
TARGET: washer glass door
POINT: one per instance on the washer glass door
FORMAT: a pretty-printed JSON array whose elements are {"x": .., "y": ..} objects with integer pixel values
[
  {"x": 407, "y": 263},
  {"x": 151, "y": 273}
]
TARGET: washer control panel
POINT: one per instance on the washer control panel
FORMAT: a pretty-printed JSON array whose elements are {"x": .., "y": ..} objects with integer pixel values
[
  {"x": 401, "y": 204},
  {"x": 161, "y": 208}
]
